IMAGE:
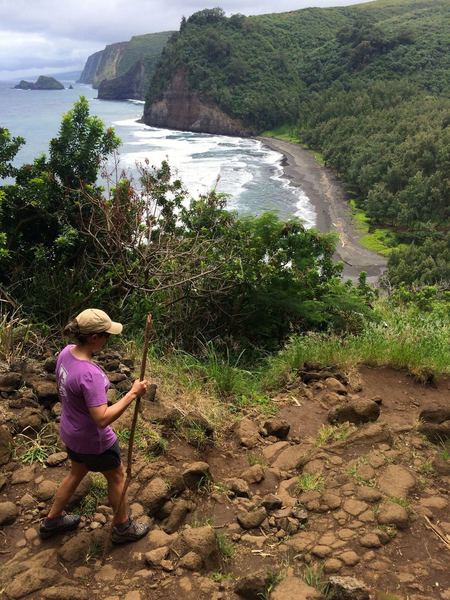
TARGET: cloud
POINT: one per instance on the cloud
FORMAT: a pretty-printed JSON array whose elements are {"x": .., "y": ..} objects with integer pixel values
[{"x": 62, "y": 33}]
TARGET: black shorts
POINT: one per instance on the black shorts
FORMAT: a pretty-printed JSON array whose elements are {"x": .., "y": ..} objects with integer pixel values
[{"x": 107, "y": 461}]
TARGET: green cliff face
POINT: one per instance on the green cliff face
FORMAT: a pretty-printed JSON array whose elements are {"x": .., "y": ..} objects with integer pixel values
[
  {"x": 123, "y": 70},
  {"x": 259, "y": 69}
]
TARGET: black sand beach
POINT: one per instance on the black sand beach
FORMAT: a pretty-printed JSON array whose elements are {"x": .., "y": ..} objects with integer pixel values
[{"x": 328, "y": 197}]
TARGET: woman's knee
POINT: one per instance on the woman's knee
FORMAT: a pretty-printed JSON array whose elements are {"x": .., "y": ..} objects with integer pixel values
[{"x": 115, "y": 476}]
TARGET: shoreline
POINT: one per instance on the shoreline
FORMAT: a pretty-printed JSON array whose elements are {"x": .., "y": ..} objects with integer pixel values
[{"x": 326, "y": 193}]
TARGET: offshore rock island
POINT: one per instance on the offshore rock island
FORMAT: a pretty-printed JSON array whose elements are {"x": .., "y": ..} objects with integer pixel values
[{"x": 43, "y": 83}]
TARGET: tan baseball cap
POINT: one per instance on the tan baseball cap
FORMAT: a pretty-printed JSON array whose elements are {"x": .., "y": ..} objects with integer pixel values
[{"x": 94, "y": 320}]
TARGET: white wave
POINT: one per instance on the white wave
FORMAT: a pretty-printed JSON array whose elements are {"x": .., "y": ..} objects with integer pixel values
[{"x": 243, "y": 168}]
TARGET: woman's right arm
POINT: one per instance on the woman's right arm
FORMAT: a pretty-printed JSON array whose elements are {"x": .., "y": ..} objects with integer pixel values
[{"x": 104, "y": 415}]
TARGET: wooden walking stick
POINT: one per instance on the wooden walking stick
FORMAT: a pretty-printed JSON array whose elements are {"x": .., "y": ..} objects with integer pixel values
[{"x": 148, "y": 326}]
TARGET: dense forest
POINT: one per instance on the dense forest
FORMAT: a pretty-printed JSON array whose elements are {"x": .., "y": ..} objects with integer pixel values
[{"x": 367, "y": 85}]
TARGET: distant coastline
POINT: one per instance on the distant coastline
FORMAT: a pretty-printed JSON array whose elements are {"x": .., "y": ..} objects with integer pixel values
[{"x": 328, "y": 197}]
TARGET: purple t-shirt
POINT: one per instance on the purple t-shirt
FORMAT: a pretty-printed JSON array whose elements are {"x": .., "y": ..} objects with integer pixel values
[{"x": 81, "y": 385}]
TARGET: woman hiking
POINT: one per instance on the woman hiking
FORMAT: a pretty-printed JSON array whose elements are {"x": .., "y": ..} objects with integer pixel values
[{"x": 85, "y": 425}]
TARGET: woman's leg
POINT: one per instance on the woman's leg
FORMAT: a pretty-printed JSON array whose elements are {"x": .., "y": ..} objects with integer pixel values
[
  {"x": 116, "y": 481},
  {"x": 67, "y": 487}
]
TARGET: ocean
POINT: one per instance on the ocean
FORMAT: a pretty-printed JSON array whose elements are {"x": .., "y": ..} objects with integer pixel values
[{"x": 247, "y": 171}]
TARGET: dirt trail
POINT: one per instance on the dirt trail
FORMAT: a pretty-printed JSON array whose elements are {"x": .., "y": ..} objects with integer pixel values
[
  {"x": 327, "y": 195},
  {"x": 288, "y": 496}
]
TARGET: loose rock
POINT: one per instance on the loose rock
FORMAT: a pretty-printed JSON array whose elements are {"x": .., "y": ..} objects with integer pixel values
[
  {"x": 247, "y": 433},
  {"x": 355, "y": 411},
  {"x": 393, "y": 514},
  {"x": 195, "y": 474},
  {"x": 8, "y": 513},
  {"x": 347, "y": 588},
  {"x": 251, "y": 519},
  {"x": 396, "y": 481},
  {"x": 294, "y": 588}
]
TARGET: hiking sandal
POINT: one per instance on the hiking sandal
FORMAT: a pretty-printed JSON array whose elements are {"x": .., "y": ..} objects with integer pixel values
[
  {"x": 50, "y": 527},
  {"x": 133, "y": 532}
]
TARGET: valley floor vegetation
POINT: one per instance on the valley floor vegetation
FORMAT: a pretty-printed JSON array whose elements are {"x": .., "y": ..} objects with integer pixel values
[
  {"x": 240, "y": 304},
  {"x": 364, "y": 86}
]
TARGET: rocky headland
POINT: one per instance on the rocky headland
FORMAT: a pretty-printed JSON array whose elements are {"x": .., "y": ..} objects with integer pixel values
[
  {"x": 184, "y": 109},
  {"x": 43, "y": 82},
  {"x": 123, "y": 70},
  {"x": 340, "y": 493}
]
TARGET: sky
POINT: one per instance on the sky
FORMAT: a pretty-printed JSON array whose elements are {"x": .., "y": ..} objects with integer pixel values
[{"x": 38, "y": 37}]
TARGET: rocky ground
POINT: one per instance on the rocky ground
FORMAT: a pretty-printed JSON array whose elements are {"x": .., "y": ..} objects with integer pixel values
[{"x": 342, "y": 493}]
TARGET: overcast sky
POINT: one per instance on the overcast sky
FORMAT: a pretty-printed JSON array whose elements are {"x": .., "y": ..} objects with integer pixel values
[{"x": 45, "y": 36}]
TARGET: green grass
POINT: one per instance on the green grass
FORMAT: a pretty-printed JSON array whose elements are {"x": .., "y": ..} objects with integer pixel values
[
  {"x": 97, "y": 492},
  {"x": 289, "y": 133},
  {"x": 328, "y": 434},
  {"x": 381, "y": 241},
  {"x": 225, "y": 546},
  {"x": 146, "y": 438},
  {"x": 445, "y": 453},
  {"x": 403, "y": 502},
  {"x": 255, "y": 459},
  {"x": 309, "y": 482},
  {"x": 32, "y": 446},
  {"x": 400, "y": 337},
  {"x": 313, "y": 576}
]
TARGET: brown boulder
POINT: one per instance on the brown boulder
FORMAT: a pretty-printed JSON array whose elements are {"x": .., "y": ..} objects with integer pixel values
[
  {"x": 29, "y": 418},
  {"x": 31, "y": 580},
  {"x": 435, "y": 432},
  {"x": 201, "y": 540},
  {"x": 10, "y": 382},
  {"x": 56, "y": 459},
  {"x": 191, "y": 561},
  {"x": 293, "y": 587},
  {"x": 195, "y": 474},
  {"x": 46, "y": 490},
  {"x": 355, "y": 411},
  {"x": 254, "y": 474},
  {"x": 177, "y": 515},
  {"x": 347, "y": 588},
  {"x": 291, "y": 458},
  {"x": 238, "y": 487},
  {"x": 76, "y": 548},
  {"x": 435, "y": 414},
  {"x": 154, "y": 495},
  {"x": 249, "y": 519},
  {"x": 8, "y": 513},
  {"x": 5, "y": 446},
  {"x": 277, "y": 427},
  {"x": 334, "y": 385},
  {"x": 45, "y": 390},
  {"x": 391, "y": 513},
  {"x": 396, "y": 481},
  {"x": 247, "y": 433}
]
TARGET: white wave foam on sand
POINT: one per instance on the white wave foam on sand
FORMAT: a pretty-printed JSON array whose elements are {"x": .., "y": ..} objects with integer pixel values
[{"x": 204, "y": 161}]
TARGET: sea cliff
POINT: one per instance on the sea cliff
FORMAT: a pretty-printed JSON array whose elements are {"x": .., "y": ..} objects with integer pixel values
[
  {"x": 124, "y": 70},
  {"x": 90, "y": 68},
  {"x": 183, "y": 109}
]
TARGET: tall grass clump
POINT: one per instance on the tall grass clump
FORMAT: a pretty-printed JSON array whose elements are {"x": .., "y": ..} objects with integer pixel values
[
  {"x": 14, "y": 334},
  {"x": 401, "y": 337}
]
